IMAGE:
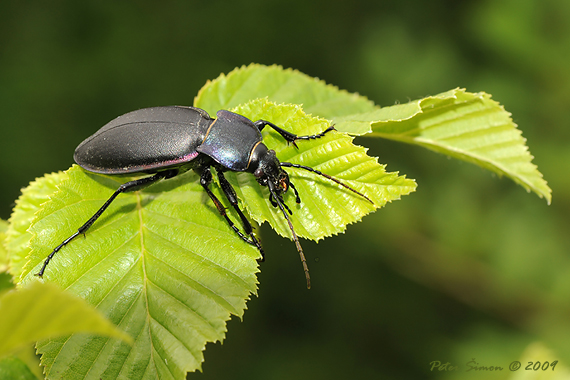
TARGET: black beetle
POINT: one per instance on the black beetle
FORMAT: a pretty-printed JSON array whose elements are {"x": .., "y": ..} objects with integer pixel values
[{"x": 166, "y": 141}]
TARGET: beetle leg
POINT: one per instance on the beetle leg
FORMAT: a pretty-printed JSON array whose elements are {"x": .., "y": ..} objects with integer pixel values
[
  {"x": 231, "y": 195},
  {"x": 273, "y": 203},
  {"x": 297, "y": 197},
  {"x": 318, "y": 135},
  {"x": 205, "y": 181},
  {"x": 285, "y": 204},
  {"x": 288, "y": 136},
  {"x": 135, "y": 185}
]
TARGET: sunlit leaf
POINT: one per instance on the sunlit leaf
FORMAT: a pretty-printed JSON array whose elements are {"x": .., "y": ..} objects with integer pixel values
[
  {"x": 160, "y": 264},
  {"x": 165, "y": 267},
  {"x": 280, "y": 86},
  {"x": 15, "y": 368},
  {"x": 41, "y": 311},
  {"x": 463, "y": 125},
  {"x": 326, "y": 207},
  {"x": 3, "y": 251},
  {"x": 29, "y": 202},
  {"x": 467, "y": 126}
]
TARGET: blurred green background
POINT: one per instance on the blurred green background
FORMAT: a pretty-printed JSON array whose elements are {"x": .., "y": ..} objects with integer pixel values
[{"x": 468, "y": 267}]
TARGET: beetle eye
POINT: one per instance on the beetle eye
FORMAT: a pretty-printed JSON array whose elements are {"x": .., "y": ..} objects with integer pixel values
[{"x": 258, "y": 173}]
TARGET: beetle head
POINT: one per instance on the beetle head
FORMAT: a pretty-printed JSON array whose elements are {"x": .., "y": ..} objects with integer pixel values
[{"x": 267, "y": 169}]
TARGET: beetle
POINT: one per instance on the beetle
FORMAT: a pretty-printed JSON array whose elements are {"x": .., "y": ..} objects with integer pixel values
[{"x": 167, "y": 141}]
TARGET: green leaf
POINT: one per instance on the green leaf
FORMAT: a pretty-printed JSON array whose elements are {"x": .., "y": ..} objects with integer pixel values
[
  {"x": 334, "y": 154},
  {"x": 165, "y": 267},
  {"x": 3, "y": 251},
  {"x": 467, "y": 126},
  {"x": 280, "y": 86},
  {"x": 160, "y": 264},
  {"x": 326, "y": 207},
  {"x": 29, "y": 202},
  {"x": 41, "y": 311},
  {"x": 27, "y": 355},
  {"x": 14, "y": 368}
]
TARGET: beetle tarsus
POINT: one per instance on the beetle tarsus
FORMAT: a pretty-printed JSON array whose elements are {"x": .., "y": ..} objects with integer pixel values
[
  {"x": 289, "y": 136},
  {"x": 52, "y": 254},
  {"x": 297, "y": 197},
  {"x": 317, "y": 136}
]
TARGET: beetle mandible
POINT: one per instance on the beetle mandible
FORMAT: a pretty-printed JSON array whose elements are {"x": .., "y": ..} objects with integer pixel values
[{"x": 167, "y": 141}]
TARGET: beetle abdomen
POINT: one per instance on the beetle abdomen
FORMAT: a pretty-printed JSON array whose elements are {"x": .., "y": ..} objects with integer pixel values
[{"x": 146, "y": 140}]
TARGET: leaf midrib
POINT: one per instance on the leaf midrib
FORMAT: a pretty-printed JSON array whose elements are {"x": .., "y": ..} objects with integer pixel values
[{"x": 145, "y": 281}]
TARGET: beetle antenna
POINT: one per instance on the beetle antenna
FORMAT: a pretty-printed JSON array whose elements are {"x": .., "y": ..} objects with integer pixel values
[
  {"x": 308, "y": 168},
  {"x": 295, "y": 238}
]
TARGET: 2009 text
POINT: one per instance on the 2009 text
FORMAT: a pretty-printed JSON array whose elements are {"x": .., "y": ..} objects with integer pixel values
[{"x": 473, "y": 365}]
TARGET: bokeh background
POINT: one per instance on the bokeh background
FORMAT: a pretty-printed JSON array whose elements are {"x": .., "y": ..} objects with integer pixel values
[{"x": 468, "y": 267}]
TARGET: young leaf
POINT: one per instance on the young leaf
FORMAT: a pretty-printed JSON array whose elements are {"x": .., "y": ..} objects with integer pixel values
[
  {"x": 15, "y": 368},
  {"x": 165, "y": 267},
  {"x": 463, "y": 125},
  {"x": 159, "y": 263},
  {"x": 27, "y": 356},
  {"x": 41, "y": 311},
  {"x": 326, "y": 208},
  {"x": 3, "y": 251},
  {"x": 279, "y": 85},
  {"x": 29, "y": 202}
]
